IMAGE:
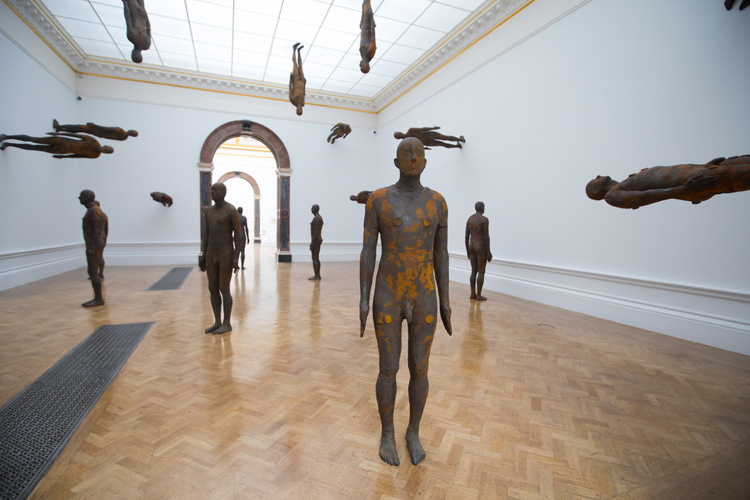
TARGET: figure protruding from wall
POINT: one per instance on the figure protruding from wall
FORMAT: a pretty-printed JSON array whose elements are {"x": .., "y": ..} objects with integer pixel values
[
  {"x": 219, "y": 255},
  {"x": 113, "y": 133},
  {"x": 95, "y": 229},
  {"x": 244, "y": 240},
  {"x": 477, "y": 243},
  {"x": 361, "y": 197},
  {"x": 430, "y": 138},
  {"x": 297, "y": 79},
  {"x": 138, "y": 27},
  {"x": 730, "y": 3},
  {"x": 316, "y": 239},
  {"x": 688, "y": 182},
  {"x": 340, "y": 130},
  {"x": 162, "y": 198},
  {"x": 59, "y": 145},
  {"x": 412, "y": 221},
  {"x": 367, "y": 45}
]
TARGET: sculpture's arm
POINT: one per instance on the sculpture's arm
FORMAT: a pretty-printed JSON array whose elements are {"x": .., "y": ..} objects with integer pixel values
[
  {"x": 466, "y": 239},
  {"x": 440, "y": 256},
  {"x": 291, "y": 88},
  {"x": 70, "y": 156},
  {"x": 366, "y": 268},
  {"x": 238, "y": 237},
  {"x": 247, "y": 232},
  {"x": 204, "y": 243},
  {"x": 99, "y": 238},
  {"x": 695, "y": 185},
  {"x": 486, "y": 224}
]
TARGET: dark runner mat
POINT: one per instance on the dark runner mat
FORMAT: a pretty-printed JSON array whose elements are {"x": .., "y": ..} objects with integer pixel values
[
  {"x": 38, "y": 422},
  {"x": 172, "y": 280}
]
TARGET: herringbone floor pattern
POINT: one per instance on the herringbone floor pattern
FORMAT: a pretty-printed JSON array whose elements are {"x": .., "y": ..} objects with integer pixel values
[{"x": 526, "y": 401}]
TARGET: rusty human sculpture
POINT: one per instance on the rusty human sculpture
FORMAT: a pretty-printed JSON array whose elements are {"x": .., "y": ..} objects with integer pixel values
[
  {"x": 59, "y": 145},
  {"x": 138, "y": 27},
  {"x": 477, "y": 243},
  {"x": 219, "y": 255},
  {"x": 340, "y": 130},
  {"x": 95, "y": 227},
  {"x": 244, "y": 240},
  {"x": 361, "y": 197},
  {"x": 412, "y": 221},
  {"x": 688, "y": 182},
  {"x": 367, "y": 46},
  {"x": 297, "y": 79},
  {"x": 113, "y": 133},
  {"x": 316, "y": 239},
  {"x": 729, "y": 3},
  {"x": 431, "y": 138},
  {"x": 162, "y": 198}
]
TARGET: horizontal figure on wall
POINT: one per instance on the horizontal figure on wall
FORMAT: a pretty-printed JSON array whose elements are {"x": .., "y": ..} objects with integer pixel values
[
  {"x": 162, "y": 198},
  {"x": 412, "y": 221},
  {"x": 114, "y": 133},
  {"x": 339, "y": 131},
  {"x": 688, "y": 182},
  {"x": 59, "y": 145},
  {"x": 431, "y": 138},
  {"x": 361, "y": 197}
]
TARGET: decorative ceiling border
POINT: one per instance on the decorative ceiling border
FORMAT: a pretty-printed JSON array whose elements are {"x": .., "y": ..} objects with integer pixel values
[{"x": 488, "y": 18}]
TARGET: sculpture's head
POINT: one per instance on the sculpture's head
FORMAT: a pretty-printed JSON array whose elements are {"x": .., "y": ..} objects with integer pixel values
[
  {"x": 218, "y": 192},
  {"x": 315, "y": 209},
  {"x": 136, "y": 56},
  {"x": 364, "y": 66},
  {"x": 299, "y": 110},
  {"x": 479, "y": 207},
  {"x": 398, "y": 135},
  {"x": 597, "y": 188},
  {"x": 410, "y": 159},
  {"x": 133, "y": 133},
  {"x": 239, "y": 209},
  {"x": 107, "y": 150},
  {"x": 86, "y": 197}
]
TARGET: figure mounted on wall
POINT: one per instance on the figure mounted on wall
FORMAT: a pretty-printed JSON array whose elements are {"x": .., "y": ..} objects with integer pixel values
[
  {"x": 219, "y": 255},
  {"x": 367, "y": 46},
  {"x": 361, "y": 197},
  {"x": 95, "y": 229},
  {"x": 244, "y": 240},
  {"x": 730, "y": 3},
  {"x": 477, "y": 243},
  {"x": 412, "y": 221},
  {"x": 138, "y": 28},
  {"x": 316, "y": 239},
  {"x": 162, "y": 198},
  {"x": 297, "y": 79},
  {"x": 688, "y": 182},
  {"x": 59, "y": 145},
  {"x": 431, "y": 138},
  {"x": 340, "y": 130},
  {"x": 114, "y": 133}
]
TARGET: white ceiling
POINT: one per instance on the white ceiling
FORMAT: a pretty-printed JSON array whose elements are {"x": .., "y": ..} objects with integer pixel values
[{"x": 251, "y": 40}]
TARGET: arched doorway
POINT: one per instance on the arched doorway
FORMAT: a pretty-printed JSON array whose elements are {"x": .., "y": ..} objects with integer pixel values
[
  {"x": 256, "y": 191},
  {"x": 283, "y": 171}
]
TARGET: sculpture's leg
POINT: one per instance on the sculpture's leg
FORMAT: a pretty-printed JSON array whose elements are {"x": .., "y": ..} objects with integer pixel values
[
  {"x": 316, "y": 264},
  {"x": 225, "y": 278},
  {"x": 420, "y": 342},
  {"x": 482, "y": 265},
  {"x": 96, "y": 282},
  {"x": 389, "y": 348},
  {"x": 473, "y": 277},
  {"x": 212, "y": 272}
]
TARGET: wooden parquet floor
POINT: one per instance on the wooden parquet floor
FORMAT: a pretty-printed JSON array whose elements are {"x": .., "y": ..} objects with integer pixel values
[{"x": 526, "y": 401}]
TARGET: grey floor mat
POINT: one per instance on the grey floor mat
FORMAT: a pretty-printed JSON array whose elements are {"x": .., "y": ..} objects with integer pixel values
[{"x": 173, "y": 279}]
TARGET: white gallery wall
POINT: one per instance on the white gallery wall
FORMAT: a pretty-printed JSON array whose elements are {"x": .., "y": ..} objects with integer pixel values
[{"x": 602, "y": 87}]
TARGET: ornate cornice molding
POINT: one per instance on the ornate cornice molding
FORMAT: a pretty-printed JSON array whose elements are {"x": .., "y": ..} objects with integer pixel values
[{"x": 454, "y": 43}]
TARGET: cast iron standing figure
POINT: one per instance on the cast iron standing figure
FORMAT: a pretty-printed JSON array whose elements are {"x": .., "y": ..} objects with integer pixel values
[
  {"x": 340, "y": 130},
  {"x": 429, "y": 137},
  {"x": 138, "y": 28},
  {"x": 297, "y": 79},
  {"x": 60, "y": 146},
  {"x": 219, "y": 255},
  {"x": 95, "y": 227},
  {"x": 114, "y": 133},
  {"x": 688, "y": 182},
  {"x": 412, "y": 221},
  {"x": 162, "y": 198},
  {"x": 367, "y": 46},
  {"x": 316, "y": 239},
  {"x": 245, "y": 237},
  {"x": 478, "y": 249}
]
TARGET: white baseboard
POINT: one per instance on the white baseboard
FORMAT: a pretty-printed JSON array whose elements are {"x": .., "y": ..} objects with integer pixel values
[
  {"x": 152, "y": 254},
  {"x": 719, "y": 318},
  {"x": 329, "y": 251}
]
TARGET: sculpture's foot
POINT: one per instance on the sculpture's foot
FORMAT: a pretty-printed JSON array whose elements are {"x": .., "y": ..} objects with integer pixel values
[
  {"x": 55, "y": 124},
  {"x": 213, "y": 327},
  {"x": 473, "y": 296},
  {"x": 314, "y": 278},
  {"x": 414, "y": 446},
  {"x": 462, "y": 139},
  {"x": 388, "y": 449},
  {"x": 243, "y": 268},
  {"x": 226, "y": 327},
  {"x": 295, "y": 45},
  {"x": 480, "y": 298},
  {"x": 93, "y": 303},
  {"x": 4, "y": 145}
]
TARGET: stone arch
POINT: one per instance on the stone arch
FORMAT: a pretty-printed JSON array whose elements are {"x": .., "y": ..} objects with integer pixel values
[
  {"x": 265, "y": 135},
  {"x": 256, "y": 199}
]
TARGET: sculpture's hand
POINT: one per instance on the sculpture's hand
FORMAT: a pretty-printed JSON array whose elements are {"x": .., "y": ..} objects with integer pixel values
[
  {"x": 489, "y": 256},
  {"x": 202, "y": 263},
  {"x": 445, "y": 315},
  {"x": 236, "y": 262},
  {"x": 700, "y": 182},
  {"x": 364, "y": 310}
]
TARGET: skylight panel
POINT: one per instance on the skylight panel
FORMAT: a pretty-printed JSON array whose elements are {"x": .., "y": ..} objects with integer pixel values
[
  {"x": 173, "y": 45},
  {"x": 250, "y": 22},
  {"x": 420, "y": 38},
  {"x": 347, "y": 75},
  {"x": 388, "y": 68},
  {"x": 112, "y": 16},
  {"x": 337, "y": 86},
  {"x": 214, "y": 66},
  {"x": 346, "y": 20},
  {"x": 304, "y": 11},
  {"x": 84, "y": 29},
  {"x": 73, "y": 9},
  {"x": 440, "y": 17},
  {"x": 168, "y": 8},
  {"x": 178, "y": 61},
  {"x": 208, "y": 13},
  {"x": 323, "y": 55},
  {"x": 402, "y": 54},
  {"x": 210, "y": 51},
  {"x": 317, "y": 70},
  {"x": 249, "y": 58},
  {"x": 246, "y": 71},
  {"x": 406, "y": 11},
  {"x": 105, "y": 49},
  {"x": 469, "y": 5},
  {"x": 364, "y": 90},
  {"x": 388, "y": 30},
  {"x": 211, "y": 34},
  {"x": 176, "y": 28},
  {"x": 267, "y": 7},
  {"x": 336, "y": 40},
  {"x": 292, "y": 30},
  {"x": 252, "y": 42}
]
